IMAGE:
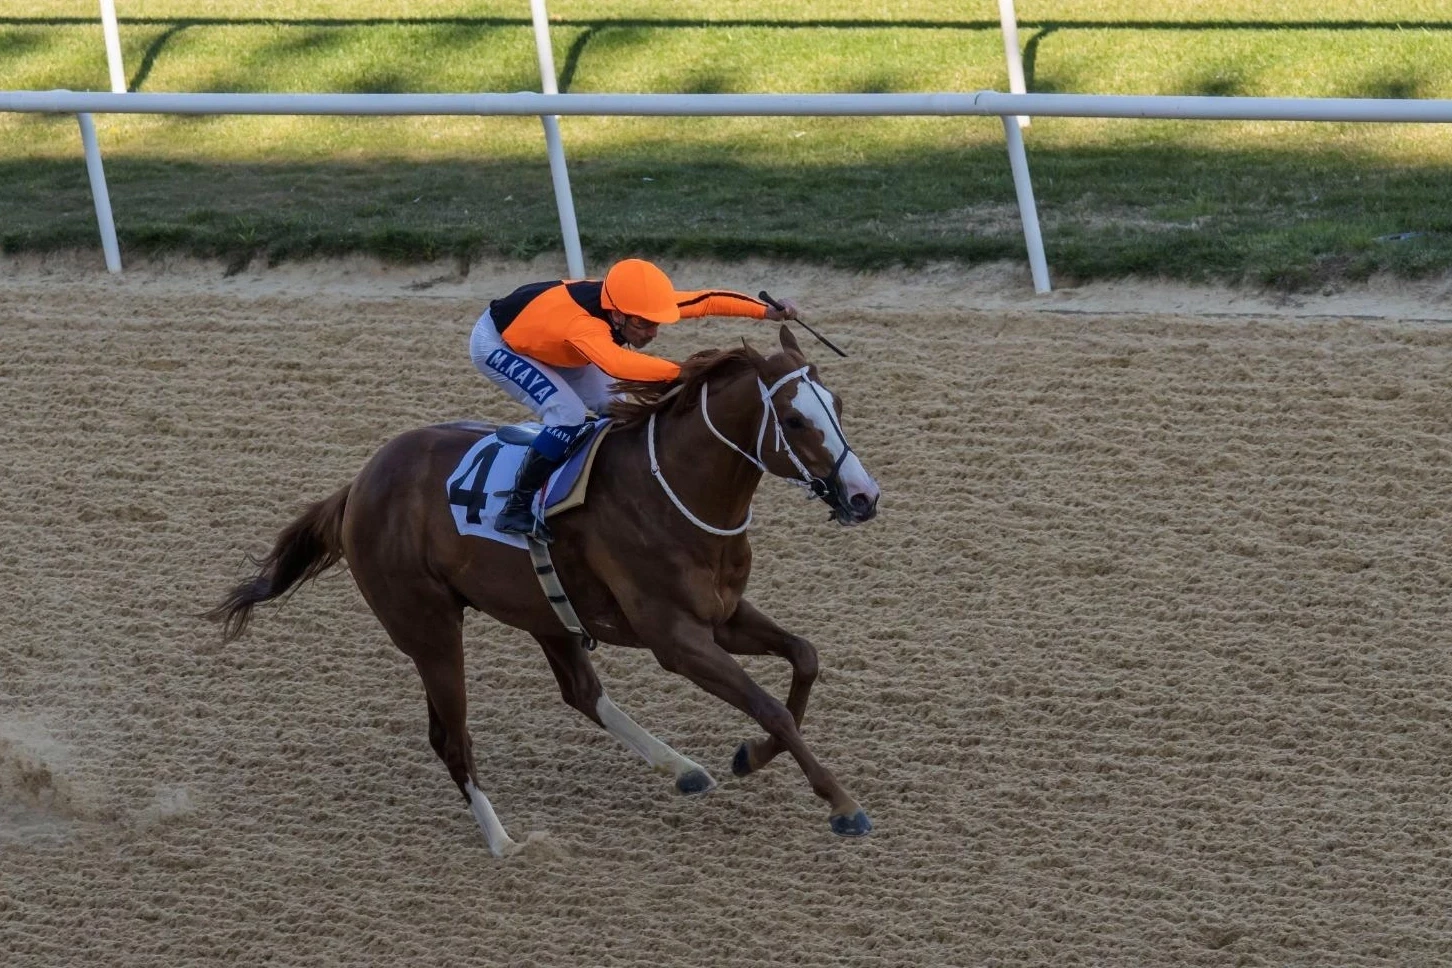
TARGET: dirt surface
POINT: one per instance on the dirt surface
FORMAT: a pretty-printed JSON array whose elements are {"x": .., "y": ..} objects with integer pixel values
[{"x": 1145, "y": 661}]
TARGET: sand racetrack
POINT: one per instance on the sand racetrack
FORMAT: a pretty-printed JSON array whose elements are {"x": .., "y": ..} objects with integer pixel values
[{"x": 1144, "y": 663}]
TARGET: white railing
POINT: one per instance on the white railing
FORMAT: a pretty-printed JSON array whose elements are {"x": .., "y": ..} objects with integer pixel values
[
  {"x": 1007, "y": 107},
  {"x": 553, "y": 144},
  {"x": 951, "y": 104},
  {"x": 113, "y": 46},
  {"x": 1008, "y": 21},
  {"x": 550, "y": 104}
]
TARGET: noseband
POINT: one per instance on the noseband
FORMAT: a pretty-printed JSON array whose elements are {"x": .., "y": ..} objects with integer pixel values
[{"x": 820, "y": 487}]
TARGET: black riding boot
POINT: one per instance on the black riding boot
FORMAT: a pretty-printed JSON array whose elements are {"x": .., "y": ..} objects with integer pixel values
[{"x": 517, "y": 515}]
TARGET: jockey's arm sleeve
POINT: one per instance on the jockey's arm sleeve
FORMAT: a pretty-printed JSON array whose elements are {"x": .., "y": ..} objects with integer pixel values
[
  {"x": 621, "y": 363},
  {"x": 719, "y": 302}
]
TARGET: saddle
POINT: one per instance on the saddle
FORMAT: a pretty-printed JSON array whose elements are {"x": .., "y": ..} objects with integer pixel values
[
  {"x": 478, "y": 486},
  {"x": 523, "y": 434},
  {"x": 486, "y": 475}
]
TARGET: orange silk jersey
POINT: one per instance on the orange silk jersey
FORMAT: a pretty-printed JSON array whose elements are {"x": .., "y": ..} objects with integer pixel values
[{"x": 556, "y": 328}]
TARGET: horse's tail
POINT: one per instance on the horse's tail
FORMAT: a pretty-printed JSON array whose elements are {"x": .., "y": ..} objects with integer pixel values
[{"x": 312, "y": 544}]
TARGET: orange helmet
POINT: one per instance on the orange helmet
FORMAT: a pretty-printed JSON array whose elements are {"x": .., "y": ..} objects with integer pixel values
[{"x": 639, "y": 288}]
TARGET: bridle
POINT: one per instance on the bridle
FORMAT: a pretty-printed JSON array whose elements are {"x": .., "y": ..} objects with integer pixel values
[{"x": 820, "y": 487}]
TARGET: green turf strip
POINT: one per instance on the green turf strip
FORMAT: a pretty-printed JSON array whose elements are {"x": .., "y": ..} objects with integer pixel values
[{"x": 1293, "y": 204}]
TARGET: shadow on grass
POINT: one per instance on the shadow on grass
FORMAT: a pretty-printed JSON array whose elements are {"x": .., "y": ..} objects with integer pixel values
[
  {"x": 1219, "y": 83},
  {"x": 18, "y": 44},
  {"x": 1394, "y": 87},
  {"x": 462, "y": 30},
  {"x": 316, "y": 40},
  {"x": 844, "y": 23},
  {"x": 152, "y": 52},
  {"x": 1287, "y": 218}
]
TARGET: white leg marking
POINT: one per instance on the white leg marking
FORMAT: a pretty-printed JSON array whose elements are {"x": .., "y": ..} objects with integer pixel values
[
  {"x": 499, "y": 843},
  {"x": 660, "y": 756}
]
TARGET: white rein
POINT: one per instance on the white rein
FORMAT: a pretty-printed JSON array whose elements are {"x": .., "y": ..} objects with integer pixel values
[{"x": 780, "y": 443}]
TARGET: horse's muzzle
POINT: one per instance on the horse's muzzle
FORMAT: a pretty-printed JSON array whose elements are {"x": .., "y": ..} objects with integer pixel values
[
  {"x": 864, "y": 507},
  {"x": 851, "y": 493},
  {"x": 857, "y": 509}
]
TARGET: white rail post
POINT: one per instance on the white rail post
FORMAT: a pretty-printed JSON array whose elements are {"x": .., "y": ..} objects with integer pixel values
[
  {"x": 113, "y": 46},
  {"x": 1009, "y": 20},
  {"x": 554, "y": 146},
  {"x": 99, "y": 194},
  {"x": 1028, "y": 211}
]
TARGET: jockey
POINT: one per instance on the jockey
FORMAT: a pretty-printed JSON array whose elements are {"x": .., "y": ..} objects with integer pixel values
[{"x": 557, "y": 346}]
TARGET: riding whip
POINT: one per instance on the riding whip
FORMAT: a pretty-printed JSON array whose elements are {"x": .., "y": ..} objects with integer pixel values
[{"x": 776, "y": 305}]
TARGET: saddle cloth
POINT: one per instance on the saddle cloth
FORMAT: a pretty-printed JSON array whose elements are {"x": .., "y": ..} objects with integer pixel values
[{"x": 478, "y": 487}]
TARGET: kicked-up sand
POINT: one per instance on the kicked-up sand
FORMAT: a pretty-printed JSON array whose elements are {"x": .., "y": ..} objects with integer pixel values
[{"x": 1145, "y": 661}]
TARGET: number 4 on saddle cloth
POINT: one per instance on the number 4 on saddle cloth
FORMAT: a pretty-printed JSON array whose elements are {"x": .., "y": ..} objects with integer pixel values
[{"x": 478, "y": 487}]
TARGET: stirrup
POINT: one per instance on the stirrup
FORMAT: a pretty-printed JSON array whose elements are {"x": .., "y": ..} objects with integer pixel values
[
  {"x": 536, "y": 528},
  {"x": 540, "y": 532},
  {"x": 518, "y": 514}
]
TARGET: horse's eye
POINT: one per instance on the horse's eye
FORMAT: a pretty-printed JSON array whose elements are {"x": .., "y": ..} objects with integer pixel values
[{"x": 795, "y": 423}]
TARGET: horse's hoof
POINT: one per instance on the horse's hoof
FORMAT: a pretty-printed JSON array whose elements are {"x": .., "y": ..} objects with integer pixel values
[
  {"x": 851, "y": 825},
  {"x": 741, "y": 762},
  {"x": 695, "y": 783}
]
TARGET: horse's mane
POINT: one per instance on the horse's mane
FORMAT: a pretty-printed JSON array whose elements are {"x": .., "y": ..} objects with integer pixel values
[{"x": 684, "y": 392}]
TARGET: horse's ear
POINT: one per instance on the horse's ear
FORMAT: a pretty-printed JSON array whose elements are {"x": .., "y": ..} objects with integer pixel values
[
  {"x": 757, "y": 360},
  {"x": 789, "y": 341}
]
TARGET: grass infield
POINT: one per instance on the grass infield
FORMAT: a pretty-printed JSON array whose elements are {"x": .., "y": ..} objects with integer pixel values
[{"x": 1288, "y": 204}]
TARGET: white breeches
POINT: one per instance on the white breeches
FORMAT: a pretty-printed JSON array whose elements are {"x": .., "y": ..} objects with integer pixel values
[{"x": 560, "y": 396}]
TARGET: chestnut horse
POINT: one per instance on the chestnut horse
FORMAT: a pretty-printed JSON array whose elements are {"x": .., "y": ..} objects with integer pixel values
[{"x": 656, "y": 558}]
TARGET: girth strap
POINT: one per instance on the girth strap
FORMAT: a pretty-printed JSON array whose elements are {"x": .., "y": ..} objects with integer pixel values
[{"x": 544, "y": 570}]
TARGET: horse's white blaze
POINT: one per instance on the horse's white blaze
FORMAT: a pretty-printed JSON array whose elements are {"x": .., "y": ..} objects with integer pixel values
[
  {"x": 818, "y": 407},
  {"x": 856, "y": 480},
  {"x": 499, "y": 843},
  {"x": 653, "y": 751},
  {"x": 818, "y": 411}
]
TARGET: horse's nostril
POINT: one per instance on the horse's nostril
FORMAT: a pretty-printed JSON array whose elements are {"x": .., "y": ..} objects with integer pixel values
[{"x": 861, "y": 502}]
